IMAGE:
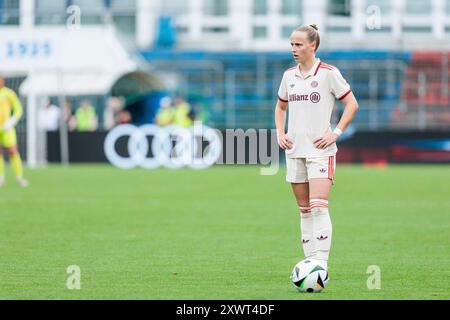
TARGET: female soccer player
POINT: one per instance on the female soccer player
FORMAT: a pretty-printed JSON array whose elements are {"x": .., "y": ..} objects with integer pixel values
[
  {"x": 10, "y": 113},
  {"x": 310, "y": 89}
]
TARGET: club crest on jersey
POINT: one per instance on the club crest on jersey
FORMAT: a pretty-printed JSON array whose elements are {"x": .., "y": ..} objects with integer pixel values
[
  {"x": 314, "y": 97},
  {"x": 314, "y": 84}
]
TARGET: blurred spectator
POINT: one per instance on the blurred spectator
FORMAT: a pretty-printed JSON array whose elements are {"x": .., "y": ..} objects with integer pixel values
[
  {"x": 182, "y": 111},
  {"x": 69, "y": 118},
  {"x": 86, "y": 118},
  {"x": 200, "y": 113},
  {"x": 111, "y": 113},
  {"x": 124, "y": 116},
  {"x": 166, "y": 112},
  {"x": 48, "y": 118}
]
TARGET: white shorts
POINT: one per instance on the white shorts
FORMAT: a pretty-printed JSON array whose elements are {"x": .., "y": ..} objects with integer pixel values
[{"x": 300, "y": 170}]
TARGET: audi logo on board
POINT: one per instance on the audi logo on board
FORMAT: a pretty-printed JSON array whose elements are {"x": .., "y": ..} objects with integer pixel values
[{"x": 172, "y": 147}]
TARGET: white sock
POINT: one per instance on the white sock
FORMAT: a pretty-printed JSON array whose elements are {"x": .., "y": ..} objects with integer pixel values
[
  {"x": 322, "y": 229},
  {"x": 307, "y": 231}
]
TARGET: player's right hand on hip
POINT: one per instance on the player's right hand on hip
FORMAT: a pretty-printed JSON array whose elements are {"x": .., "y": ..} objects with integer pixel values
[{"x": 284, "y": 141}]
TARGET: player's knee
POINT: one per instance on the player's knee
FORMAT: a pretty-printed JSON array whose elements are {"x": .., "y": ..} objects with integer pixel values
[{"x": 319, "y": 196}]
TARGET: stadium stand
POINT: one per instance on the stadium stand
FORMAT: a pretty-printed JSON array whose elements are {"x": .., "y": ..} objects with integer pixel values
[
  {"x": 425, "y": 92},
  {"x": 240, "y": 87}
]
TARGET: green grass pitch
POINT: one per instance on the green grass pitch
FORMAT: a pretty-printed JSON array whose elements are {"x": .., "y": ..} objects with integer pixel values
[{"x": 222, "y": 233}]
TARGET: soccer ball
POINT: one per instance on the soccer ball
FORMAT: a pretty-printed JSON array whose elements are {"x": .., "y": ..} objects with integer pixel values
[{"x": 309, "y": 276}]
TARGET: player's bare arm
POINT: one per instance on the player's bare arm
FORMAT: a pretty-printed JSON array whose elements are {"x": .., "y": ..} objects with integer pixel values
[
  {"x": 350, "y": 109},
  {"x": 280, "y": 123}
]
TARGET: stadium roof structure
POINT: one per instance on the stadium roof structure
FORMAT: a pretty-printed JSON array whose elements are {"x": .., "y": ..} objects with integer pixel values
[
  {"x": 61, "y": 61},
  {"x": 87, "y": 61}
]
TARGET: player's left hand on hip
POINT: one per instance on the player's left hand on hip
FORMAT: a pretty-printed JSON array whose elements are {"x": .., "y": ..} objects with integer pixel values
[{"x": 326, "y": 140}]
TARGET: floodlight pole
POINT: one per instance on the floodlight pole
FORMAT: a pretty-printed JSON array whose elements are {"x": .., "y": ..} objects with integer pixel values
[
  {"x": 31, "y": 129},
  {"x": 63, "y": 129}
]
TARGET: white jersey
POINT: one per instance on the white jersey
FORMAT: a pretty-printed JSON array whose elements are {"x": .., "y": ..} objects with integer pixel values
[{"x": 310, "y": 103}]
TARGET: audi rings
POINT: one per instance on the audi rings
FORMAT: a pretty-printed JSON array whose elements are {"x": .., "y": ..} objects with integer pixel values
[{"x": 172, "y": 147}]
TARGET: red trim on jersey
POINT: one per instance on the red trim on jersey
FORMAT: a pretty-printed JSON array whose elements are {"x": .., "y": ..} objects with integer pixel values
[
  {"x": 318, "y": 66},
  {"x": 327, "y": 65},
  {"x": 345, "y": 94},
  {"x": 282, "y": 99},
  {"x": 323, "y": 67}
]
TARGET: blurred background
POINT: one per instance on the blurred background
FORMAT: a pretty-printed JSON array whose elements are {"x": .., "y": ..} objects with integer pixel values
[{"x": 82, "y": 67}]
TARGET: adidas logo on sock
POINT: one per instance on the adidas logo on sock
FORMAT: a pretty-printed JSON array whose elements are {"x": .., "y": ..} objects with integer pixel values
[
  {"x": 322, "y": 237},
  {"x": 305, "y": 241}
]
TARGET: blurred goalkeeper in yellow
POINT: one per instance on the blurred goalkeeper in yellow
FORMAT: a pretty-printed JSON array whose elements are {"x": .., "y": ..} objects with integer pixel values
[{"x": 10, "y": 113}]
